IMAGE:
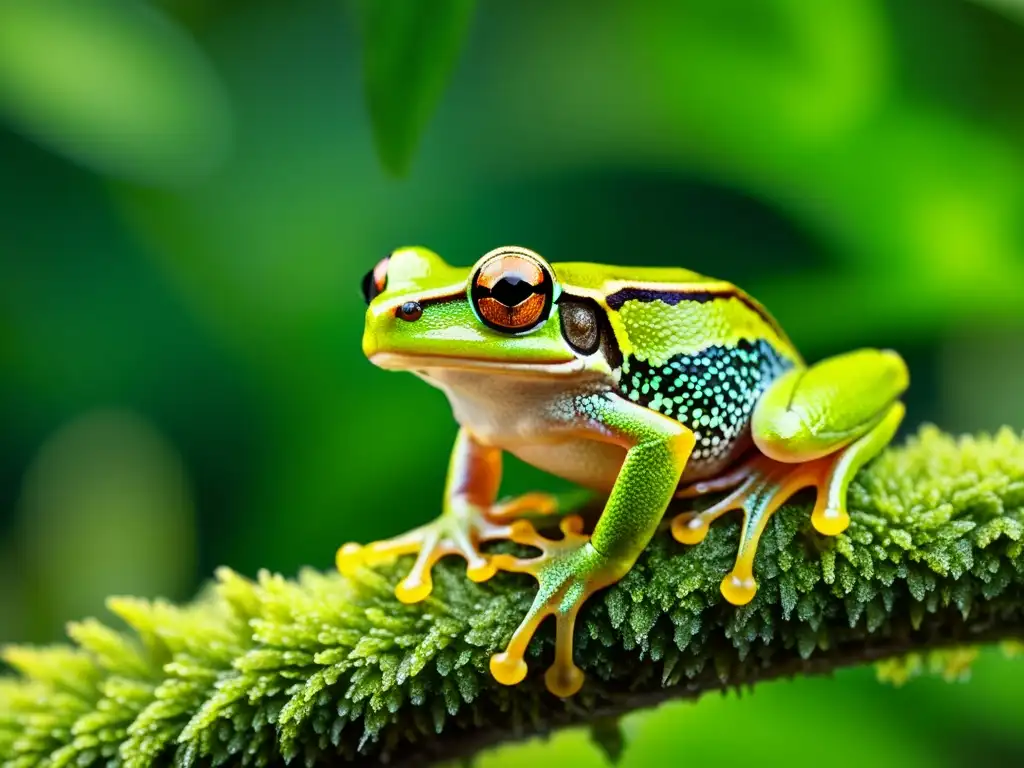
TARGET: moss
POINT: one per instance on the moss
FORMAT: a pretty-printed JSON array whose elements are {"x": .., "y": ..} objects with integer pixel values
[{"x": 320, "y": 666}]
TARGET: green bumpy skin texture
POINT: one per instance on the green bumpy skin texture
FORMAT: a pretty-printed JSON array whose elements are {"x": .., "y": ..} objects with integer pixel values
[{"x": 307, "y": 670}]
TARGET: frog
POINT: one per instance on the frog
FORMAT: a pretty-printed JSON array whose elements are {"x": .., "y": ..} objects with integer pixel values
[{"x": 643, "y": 384}]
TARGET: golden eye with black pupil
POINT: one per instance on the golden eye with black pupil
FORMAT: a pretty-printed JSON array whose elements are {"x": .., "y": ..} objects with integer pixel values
[
  {"x": 376, "y": 280},
  {"x": 411, "y": 311},
  {"x": 512, "y": 291},
  {"x": 580, "y": 325}
]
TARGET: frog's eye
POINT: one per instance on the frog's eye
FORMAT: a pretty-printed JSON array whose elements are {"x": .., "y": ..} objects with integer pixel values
[
  {"x": 512, "y": 290},
  {"x": 581, "y": 324},
  {"x": 376, "y": 280}
]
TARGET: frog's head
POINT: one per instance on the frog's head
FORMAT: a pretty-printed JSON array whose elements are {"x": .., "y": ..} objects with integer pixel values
[{"x": 501, "y": 314}]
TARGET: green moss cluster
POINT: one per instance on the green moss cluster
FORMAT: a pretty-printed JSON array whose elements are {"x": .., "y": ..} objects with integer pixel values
[{"x": 310, "y": 669}]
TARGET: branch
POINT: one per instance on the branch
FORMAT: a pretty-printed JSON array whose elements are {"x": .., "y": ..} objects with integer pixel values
[{"x": 320, "y": 667}]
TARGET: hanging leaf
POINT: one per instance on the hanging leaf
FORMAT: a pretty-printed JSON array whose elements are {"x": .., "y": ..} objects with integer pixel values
[
  {"x": 113, "y": 86},
  {"x": 409, "y": 51},
  {"x": 1013, "y": 9},
  {"x": 606, "y": 734}
]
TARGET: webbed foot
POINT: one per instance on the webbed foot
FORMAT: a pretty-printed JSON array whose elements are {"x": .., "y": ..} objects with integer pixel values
[
  {"x": 450, "y": 534},
  {"x": 459, "y": 531},
  {"x": 569, "y": 571},
  {"x": 765, "y": 489}
]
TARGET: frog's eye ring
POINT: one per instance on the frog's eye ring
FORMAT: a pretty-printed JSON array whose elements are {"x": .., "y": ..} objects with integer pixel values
[
  {"x": 376, "y": 280},
  {"x": 512, "y": 290}
]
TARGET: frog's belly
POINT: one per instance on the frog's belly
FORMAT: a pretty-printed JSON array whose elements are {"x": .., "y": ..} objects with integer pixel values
[
  {"x": 584, "y": 462},
  {"x": 526, "y": 417},
  {"x": 596, "y": 465}
]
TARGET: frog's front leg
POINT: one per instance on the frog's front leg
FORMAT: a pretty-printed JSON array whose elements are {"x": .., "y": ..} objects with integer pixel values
[
  {"x": 815, "y": 427},
  {"x": 573, "y": 568},
  {"x": 469, "y": 518}
]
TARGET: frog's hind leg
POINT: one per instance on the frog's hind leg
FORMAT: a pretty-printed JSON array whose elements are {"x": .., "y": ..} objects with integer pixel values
[
  {"x": 817, "y": 427},
  {"x": 768, "y": 486},
  {"x": 845, "y": 408},
  {"x": 830, "y": 516}
]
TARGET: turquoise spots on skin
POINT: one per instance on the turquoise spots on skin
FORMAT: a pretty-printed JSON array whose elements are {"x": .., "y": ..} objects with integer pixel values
[{"x": 713, "y": 393}]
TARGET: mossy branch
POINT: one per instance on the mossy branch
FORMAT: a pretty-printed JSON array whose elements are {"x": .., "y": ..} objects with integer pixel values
[{"x": 321, "y": 667}]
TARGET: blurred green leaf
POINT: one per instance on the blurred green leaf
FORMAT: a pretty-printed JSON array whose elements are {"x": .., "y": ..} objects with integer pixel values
[
  {"x": 607, "y": 735},
  {"x": 816, "y": 81},
  {"x": 773, "y": 727},
  {"x": 570, "y": 747},
  {"x": 1013, "y": 9},
  {"x": 114, "y": 86},
  {"x": 409, "y": 50}
]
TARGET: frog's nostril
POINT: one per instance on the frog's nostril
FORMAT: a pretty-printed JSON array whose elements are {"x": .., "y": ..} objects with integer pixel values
[{"x": 410, "y": 311}]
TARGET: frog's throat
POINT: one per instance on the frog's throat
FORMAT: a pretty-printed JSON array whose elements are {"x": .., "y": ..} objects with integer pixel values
[{"x": 394, "y": 361}]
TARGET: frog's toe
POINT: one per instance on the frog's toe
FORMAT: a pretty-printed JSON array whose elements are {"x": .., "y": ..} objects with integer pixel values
[
  {"x": 414, "y": 588},
  {"x": 508, "y": 667},
  {"x": 569, "y": 571},
  {"x": 444, "y": 538},
  {"x": 829, "y": 519},
  {"x": 480, "y": 569},
  {"x": 352, "y": 556},
  {"x": 763, "y": 491},
  {"x": 527, "y": 505},
  {"x": 690, "y": 527},
  {"x": 450, "y": 534},
  {"x": 563, "y": 678},
  {"x": 417, "y": 584},
  {"x": 739, "y": 586},
  {"x": 349, "y": 558}
]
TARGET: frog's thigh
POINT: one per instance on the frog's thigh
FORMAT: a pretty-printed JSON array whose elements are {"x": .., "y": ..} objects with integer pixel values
[{"x": 812, "y": 412}]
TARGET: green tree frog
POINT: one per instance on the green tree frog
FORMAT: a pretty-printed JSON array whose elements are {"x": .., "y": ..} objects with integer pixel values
[{"x": 643, "y": 383}]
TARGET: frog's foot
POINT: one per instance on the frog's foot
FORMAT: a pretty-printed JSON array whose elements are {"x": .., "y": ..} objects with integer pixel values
[
  {"x": 763, "y": 491},
  {"x": 569, "y": 571},
  {"x": 458, "y": 532}
]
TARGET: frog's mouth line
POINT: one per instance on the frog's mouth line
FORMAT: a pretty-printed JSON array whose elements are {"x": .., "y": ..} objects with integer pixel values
[{"x": 424, "y": 364}]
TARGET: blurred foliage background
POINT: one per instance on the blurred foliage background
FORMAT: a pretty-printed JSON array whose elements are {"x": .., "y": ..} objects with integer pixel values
[{"x": 190, "y": 191}]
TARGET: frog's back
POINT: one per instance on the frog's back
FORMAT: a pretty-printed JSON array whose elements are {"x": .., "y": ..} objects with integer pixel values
[
  {"x": 608, "y": 279},
  {"x": 697, "y": 349}
]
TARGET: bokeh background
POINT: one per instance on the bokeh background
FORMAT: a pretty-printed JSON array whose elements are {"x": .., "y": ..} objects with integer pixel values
[{"x": 191, "y": 190}]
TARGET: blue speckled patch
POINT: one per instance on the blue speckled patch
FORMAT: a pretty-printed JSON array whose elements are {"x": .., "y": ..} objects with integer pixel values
[{"x": 713, "y": 393}]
